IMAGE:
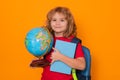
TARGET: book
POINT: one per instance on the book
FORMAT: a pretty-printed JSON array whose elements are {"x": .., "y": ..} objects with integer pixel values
[{"x": 67, "y": 49}]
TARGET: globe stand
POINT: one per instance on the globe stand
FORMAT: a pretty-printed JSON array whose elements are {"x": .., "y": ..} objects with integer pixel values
[{"x": 41, "y": 62}]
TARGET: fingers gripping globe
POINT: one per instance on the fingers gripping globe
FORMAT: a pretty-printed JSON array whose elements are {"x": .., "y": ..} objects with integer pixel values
[{"x": 39, "y": 41}]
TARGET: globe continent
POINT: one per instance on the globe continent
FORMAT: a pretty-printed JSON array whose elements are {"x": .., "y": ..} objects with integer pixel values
[{"x": 39, "y": 41}]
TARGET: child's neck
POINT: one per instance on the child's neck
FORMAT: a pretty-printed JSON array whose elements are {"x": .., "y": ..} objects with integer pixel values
[{"x": 58, "y": 35}]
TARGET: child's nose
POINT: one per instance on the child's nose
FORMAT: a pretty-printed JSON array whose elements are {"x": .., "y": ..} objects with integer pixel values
[{"x": 57, "y": 22}]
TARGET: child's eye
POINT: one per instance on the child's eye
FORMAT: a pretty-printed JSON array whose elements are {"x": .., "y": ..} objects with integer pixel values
[
  {"x": 54, "y": 20},
  {"x": 62, "y": 20}
]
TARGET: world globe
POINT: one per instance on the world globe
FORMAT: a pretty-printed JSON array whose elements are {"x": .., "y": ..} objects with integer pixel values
[{"x": 39, "y": 41}]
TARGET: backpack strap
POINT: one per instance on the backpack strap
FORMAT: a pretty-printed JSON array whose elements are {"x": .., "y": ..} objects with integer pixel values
[{"x": 75, "y": 40}]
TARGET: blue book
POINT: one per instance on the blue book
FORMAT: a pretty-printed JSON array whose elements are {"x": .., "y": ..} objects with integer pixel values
[{"x": 68, "y": 49}]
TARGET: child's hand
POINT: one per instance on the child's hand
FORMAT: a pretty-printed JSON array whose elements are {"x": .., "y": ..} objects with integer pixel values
[{"x": 56, "y": 55}]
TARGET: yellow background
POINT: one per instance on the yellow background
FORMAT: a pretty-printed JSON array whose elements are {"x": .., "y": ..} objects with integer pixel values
[{"x": 98, "y": 24}]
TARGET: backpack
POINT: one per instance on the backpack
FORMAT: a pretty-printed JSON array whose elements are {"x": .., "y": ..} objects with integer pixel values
[{"x": 82, "y": 74}]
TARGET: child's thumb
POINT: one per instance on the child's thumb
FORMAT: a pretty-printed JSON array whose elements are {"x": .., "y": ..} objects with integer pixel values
[{"x": 52, "y": 61}]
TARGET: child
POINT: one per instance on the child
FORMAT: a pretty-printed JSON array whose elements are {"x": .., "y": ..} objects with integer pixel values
[{"x": 61, "y": 24}]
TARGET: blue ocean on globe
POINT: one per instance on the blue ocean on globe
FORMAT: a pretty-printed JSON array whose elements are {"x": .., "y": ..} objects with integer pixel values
[{"x": 39, "y": 41}]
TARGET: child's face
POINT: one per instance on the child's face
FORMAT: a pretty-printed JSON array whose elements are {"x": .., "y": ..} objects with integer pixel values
[{"x": 59, "y": 23}]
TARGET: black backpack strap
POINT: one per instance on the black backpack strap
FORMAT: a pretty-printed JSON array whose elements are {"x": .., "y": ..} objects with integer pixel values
[{"x": 76, "y": 40}]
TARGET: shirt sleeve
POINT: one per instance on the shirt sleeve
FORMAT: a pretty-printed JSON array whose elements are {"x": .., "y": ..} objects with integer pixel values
[{"x": 79, "y": 51}]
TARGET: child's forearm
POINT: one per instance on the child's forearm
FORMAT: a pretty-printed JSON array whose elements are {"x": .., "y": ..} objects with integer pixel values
[{"x": 78, "y": 63}]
